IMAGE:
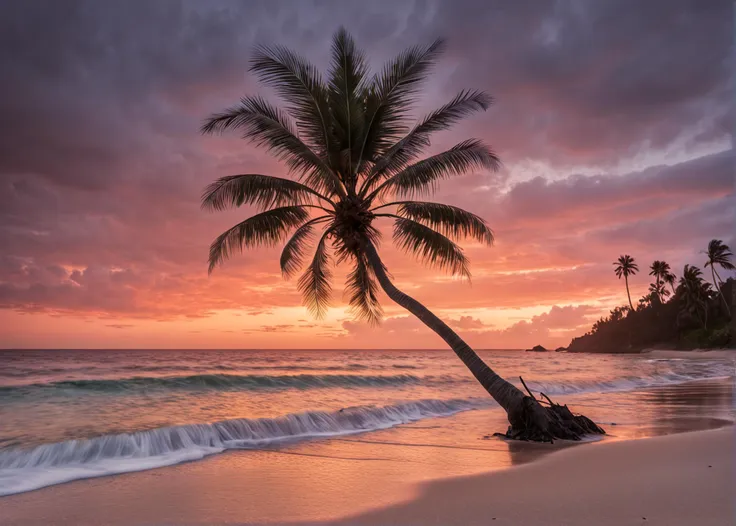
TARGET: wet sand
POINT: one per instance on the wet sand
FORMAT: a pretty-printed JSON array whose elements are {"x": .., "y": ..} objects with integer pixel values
[{"x": 683, "y": 479}]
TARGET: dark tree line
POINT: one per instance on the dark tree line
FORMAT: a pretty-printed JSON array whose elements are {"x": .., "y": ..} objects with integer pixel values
[{"x": 686, "y": 312}]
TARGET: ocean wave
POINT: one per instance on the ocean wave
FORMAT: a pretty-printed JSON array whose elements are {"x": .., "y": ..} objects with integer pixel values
[
  {"x": 213, "y": 381},
  {"x": 194, "y": 369},
  {"x": 48, "y": 464},
  {"x": 628, "y": 383}
]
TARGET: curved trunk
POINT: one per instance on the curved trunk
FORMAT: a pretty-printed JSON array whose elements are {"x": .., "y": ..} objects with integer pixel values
[
  {"x": 506, "y": 394},
  {"x": 528, "y": 419},
  {"x": 626, "y": 279},
  {"x": 717, "y": 282}
]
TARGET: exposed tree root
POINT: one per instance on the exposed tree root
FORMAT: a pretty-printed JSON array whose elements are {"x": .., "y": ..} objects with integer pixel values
[{"x": 532, "y": 421}]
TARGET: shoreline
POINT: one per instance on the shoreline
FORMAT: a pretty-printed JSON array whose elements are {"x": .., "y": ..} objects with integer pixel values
[
  {"x": 676, "y": 479},
  {"x": 680, "y": 479},
  {"x": 695, "y": 354},
  {"x": 361, "y": 477}
]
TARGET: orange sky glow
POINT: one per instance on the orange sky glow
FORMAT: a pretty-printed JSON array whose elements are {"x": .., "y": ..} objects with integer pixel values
[{"x": 104, "y": 244}]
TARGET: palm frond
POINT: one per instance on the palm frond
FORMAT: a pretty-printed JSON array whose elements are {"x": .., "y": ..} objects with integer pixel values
[
  {"x": 266, "y": 228},
  {"x": 394, "y": 90},
  {"x": 270, "y": 128},
  {"x": 448, "y": 220},
  {"x": 719, "y": 254},
  {"x": 264, "y": 191},
  {"x": 422, "y": 176},
  {"x": 314, "y": 284},
  {"x": 363, "y": 290},
  {"x": 300, "y": 84},
  {"x": 347, "y": 78},
  {"x": 292, "y": 256},
  {"x": 625, "y": 266},
  {"x": 412, "y": 145},
  {"x": 430, "y": 246}
]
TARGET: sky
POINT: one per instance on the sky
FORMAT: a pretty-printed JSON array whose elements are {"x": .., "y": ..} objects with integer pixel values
[{"x": 613, "y": 120}]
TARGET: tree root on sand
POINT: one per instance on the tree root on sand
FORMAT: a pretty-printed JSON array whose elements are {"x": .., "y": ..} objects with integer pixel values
[{"x": 532, "y": 421}]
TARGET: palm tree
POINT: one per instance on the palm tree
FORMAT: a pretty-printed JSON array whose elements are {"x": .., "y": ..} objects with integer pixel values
[
  {"x": 719, "y": 254},
  {"x": 694, "y": 293},
  {"x": 670, "y": 279},
  {"x": 659, "y": 270},
  {"x": 346, "y": 139},
  {"x": 625, "y": 266},
  {"x": 658, "y": 292}
]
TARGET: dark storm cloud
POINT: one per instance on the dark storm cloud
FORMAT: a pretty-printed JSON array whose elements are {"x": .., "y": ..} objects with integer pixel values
[
  {"x": 92, "y": 87},
  {"x": 590, "y": 81}
]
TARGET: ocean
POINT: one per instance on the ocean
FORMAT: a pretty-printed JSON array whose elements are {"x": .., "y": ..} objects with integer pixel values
[{"x": 74, "y": 414}]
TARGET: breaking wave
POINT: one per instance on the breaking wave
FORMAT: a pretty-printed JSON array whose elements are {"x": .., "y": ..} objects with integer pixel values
[
  {"x": 28, "y": 469},
  {"x": 629, "y": 383}
]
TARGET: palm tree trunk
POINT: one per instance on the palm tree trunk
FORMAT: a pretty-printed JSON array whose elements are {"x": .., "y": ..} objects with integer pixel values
[
  {"x": 626, "y": 278},
  {"x": 506, "y": 394},
  {"x": 705, "y": 315},
  {"x": 524, "y": 413},
  {"x": 717, "y": 282}
]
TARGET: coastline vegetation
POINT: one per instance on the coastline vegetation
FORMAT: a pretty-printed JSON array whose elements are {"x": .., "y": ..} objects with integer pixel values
[{"x": 681, "y": 313}]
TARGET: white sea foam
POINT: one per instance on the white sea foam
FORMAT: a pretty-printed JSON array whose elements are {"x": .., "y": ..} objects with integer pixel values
[{"x": 28, "y": 469}]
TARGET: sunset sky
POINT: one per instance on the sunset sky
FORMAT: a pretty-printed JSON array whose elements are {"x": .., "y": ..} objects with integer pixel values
[{"x": 613, "y": 120}]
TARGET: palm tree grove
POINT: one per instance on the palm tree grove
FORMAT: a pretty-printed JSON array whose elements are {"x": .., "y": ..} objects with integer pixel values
[
  {"x": 345, "y": 137},
  {"x": 693, "y": 313}
]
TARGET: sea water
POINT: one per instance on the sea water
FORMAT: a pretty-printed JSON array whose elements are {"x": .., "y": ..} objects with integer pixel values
[{"x": 68, "y": 414}]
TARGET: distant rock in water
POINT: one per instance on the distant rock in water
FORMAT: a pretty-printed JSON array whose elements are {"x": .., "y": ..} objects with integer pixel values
[
  {"x": 537, "y": 348},
  {"x": 561, "y": 349}
]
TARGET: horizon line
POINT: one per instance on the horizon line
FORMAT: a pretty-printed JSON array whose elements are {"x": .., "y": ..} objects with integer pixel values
[{"x": 242, "y": 349}]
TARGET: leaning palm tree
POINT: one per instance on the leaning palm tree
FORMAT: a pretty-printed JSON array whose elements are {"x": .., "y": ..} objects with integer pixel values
[
  {"x": 659, "y": 270},
  {"x": 719, "y": 254},
  {"x": 625, "y": 266},
  {"x": 347, "y": 141}
]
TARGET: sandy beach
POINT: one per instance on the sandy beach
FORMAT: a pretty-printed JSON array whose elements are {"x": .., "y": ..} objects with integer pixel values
[{"x": 683, "y": 479}]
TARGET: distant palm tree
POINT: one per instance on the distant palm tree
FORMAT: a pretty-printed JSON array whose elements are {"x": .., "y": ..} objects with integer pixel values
[
  {"x": 625, "y": 266},
  {"x": 658, "y": 291},
  {"x": 670, "y": 279},
  {"x": 348, "y": 141},
  {"x": 659, "y": 270},
  {"x": 694, "y": 293},
  {"x": 719, "y": 254}
]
